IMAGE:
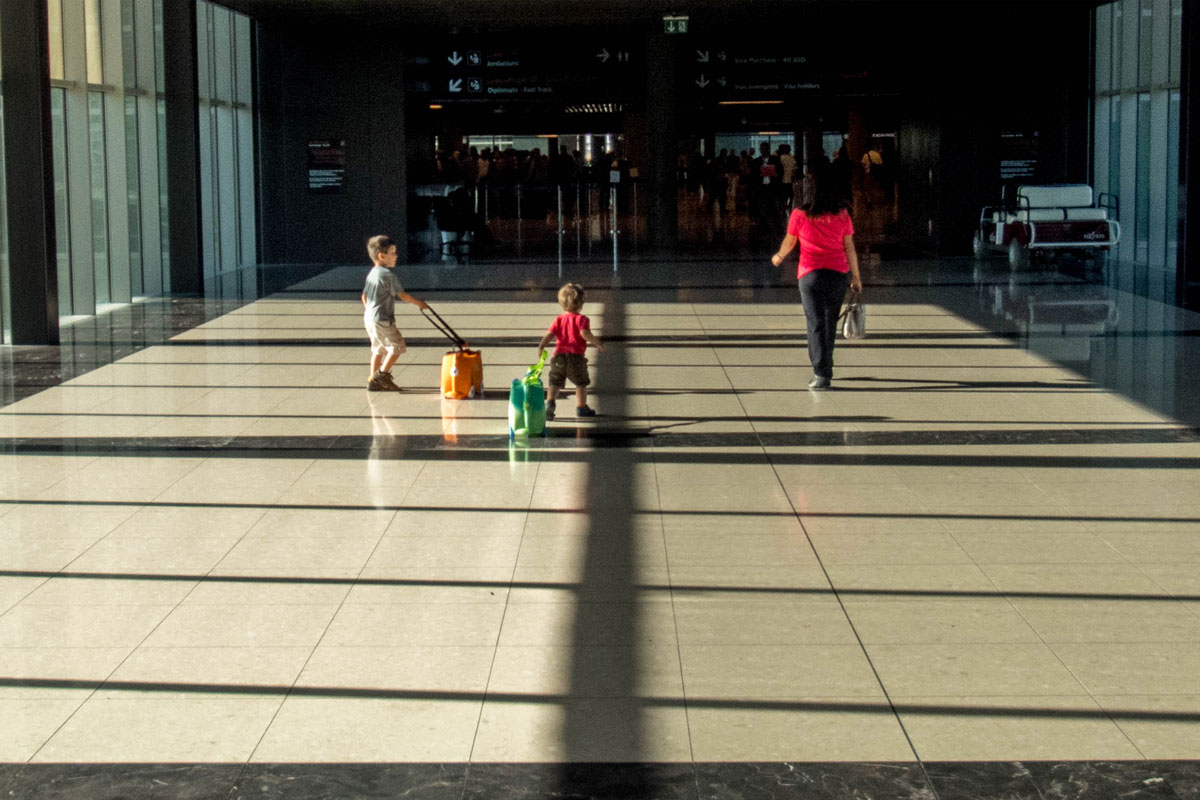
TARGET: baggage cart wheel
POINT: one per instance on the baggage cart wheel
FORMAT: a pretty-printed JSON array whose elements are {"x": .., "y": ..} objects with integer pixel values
[
  {"x": 979, "y": 247},
  {"x": 1018, "y": 255}
]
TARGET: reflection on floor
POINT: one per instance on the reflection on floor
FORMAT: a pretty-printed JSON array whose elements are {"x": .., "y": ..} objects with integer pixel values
[{"x": 226, "y": 562}]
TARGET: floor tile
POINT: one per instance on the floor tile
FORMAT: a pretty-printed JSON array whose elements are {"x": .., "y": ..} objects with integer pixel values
[
  {"x": 145, "y": 728},
  {"x": 242, "y": 626},
  {"x": 587, "y": 671},
  {"x": 462, "y": 624},
  {"x": 1161, "y": 727},
  {"x": 400, "y": 671},
  {"x": 203, "y": 670},
  {"x": 330, "y": 729},
  {"x": 1110, "y": 620},
  {"x": 648, "y": 623},
  {"x": 1142, "y": 668},
  {"x": 776, "y": 671},
  {"x": 1049, "y": 728},
  {"x": 29, "y": 722},
  {"x": 730, "y": 621},
  {"x": 939, "y": 621},
  {"x": 582, "y": 730},
  {"x": 973, "y": 670},
  {"x": 79, "y": 626}
]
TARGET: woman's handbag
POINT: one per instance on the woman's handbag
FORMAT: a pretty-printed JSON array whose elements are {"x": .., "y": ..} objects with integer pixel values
[{"x": 853, "y": 319}]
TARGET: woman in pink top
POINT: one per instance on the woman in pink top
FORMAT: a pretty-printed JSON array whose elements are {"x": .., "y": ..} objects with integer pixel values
[{"x": 828, "y": 262}]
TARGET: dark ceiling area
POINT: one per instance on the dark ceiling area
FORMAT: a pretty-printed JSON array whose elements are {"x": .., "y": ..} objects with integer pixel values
[{"x": 510, "y": 14}]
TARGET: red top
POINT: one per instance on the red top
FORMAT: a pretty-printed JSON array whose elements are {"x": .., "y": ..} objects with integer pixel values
[
  {"x": 821, "y": 240},
  {"x": 566, "y": 329}
]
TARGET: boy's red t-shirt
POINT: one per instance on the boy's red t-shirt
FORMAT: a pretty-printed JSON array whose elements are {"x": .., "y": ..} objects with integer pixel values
[
  {"x": 567, "y": 336},
  {"x": 820, "y": 240}
]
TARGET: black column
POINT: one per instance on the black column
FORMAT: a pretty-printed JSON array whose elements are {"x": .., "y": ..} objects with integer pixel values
[
  {"x": 29, "y": 165},
  {"x": 662, "y": 216},
  {"x": 183, "y": 154},
  {"x": 1188, "y": 266}
]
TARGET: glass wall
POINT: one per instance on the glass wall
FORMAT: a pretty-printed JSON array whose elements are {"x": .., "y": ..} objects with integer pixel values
[
  {"x": 229, "y": 236},
  {"x": 5, "y": 323},
  {"x": 1136, "y": 136},
  {"x": 109, "y": 173}
]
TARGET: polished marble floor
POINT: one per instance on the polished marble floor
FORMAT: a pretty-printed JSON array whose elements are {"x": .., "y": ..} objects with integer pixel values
[{"x": 971, "y": 569}]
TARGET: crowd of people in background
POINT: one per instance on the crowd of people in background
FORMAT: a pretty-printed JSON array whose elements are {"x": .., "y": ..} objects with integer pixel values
[
  {"x": 768, "y": 183},
  {"x": 764, "y": 185}
]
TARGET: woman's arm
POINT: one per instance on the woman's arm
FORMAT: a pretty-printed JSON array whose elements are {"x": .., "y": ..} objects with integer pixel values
[
  {"x": 785, "y": 247},
  {"x": 852, "y": 260}
]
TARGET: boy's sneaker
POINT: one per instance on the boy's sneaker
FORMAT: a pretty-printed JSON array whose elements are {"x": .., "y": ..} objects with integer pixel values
[
  {"x": 585, "y": 411},
  {"x": 376, "y": 384},
  {"x": 386, "y": 379},
  {"x": 550, "y": 409}
]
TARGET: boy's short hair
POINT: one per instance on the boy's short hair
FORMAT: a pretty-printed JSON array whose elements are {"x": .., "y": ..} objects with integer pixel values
[
  {"x": 379, "y": 244},
  {"x": 570, "y": 297}
]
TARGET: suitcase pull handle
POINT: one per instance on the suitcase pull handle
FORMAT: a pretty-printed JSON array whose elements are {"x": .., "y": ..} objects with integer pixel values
[{"x": 436, "y": 320}]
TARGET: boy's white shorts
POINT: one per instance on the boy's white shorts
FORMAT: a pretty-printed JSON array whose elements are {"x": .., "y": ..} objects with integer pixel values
[{"x": 385, "y": 338}]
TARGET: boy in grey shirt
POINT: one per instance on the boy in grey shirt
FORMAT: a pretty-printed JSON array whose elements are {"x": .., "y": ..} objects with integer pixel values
[{"x": 379, "y": 313}]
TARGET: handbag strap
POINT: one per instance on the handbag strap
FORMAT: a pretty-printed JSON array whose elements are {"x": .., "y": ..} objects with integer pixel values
[{"x": 852, "y": 299}]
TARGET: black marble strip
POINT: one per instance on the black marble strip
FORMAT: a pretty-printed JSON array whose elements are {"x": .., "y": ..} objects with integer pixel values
[{"x": 1009, "y": 780}]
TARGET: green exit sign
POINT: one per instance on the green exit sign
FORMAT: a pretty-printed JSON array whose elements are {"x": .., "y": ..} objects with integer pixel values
[{"x": 675, "y": 24}]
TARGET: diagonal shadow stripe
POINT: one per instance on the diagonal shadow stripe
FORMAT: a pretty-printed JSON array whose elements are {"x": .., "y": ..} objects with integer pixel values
[
  {"x": 683, "y": 512},
  {"x": 881, "y": 707},
  {"x": 682, "y": 588}
]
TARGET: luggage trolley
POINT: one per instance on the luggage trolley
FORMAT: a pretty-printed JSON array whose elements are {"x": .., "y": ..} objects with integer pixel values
[{"x": 462, "y": 367}]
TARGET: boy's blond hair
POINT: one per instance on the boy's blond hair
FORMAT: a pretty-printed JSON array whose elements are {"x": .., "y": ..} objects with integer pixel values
[
  {"x": 570, "y": 297},
  {"x": 379, "y": 244}
]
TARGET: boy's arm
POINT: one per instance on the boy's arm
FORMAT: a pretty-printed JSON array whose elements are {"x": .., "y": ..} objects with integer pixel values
[
  {"x": 592, "y": 339},
  {"x": 408, "y": 298},
  {"x": 364, "y": 299},
  {"x": 546, "y": 340}
]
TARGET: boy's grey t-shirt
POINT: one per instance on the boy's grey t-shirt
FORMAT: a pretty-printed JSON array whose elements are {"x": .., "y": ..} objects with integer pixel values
[{"x": 380, "y": 291}]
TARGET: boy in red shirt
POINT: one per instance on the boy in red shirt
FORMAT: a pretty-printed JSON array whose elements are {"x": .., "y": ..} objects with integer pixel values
[{"x": 572, "y": 333}]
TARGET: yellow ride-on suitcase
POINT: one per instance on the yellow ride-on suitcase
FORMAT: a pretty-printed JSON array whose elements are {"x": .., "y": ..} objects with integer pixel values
[{"x": 462, "y": 367}]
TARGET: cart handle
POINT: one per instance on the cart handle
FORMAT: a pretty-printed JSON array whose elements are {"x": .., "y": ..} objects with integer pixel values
[{"x": 444, "y": 328}]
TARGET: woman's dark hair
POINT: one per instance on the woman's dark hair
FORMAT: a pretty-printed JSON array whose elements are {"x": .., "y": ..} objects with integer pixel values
[{"x": 823, "y": 195}]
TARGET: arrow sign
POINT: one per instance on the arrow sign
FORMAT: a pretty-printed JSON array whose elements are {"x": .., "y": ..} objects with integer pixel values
[
  {"x": 456, "y": 85},
  {"x": 702, "y": 56},
  {"x": 603, "y": 55},
  {"x": 702, "y": 81},
  {"x": 454, "y": 58}
]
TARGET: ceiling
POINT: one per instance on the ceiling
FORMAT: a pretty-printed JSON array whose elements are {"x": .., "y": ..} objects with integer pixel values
[{"x": 502, "y": 14}]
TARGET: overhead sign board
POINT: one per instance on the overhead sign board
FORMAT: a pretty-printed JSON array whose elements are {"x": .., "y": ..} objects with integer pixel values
[
  {"x": 717, "y": 71},
  {"x": 471, "y": 69},
  {"x": 675, "y": 24}
]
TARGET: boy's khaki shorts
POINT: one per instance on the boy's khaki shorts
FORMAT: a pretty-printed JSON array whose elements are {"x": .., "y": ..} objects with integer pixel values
[
  {"x": 385, "y": 338},
  {"x": 568, "y": 366}
]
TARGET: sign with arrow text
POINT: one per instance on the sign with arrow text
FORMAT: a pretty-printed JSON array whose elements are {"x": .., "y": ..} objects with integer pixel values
[{"x": 568, "y": 71}]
